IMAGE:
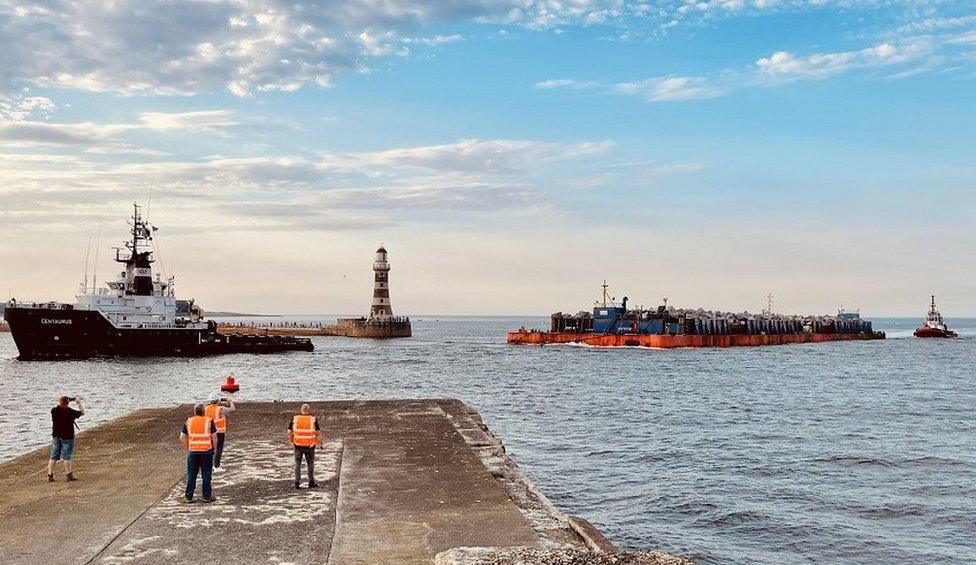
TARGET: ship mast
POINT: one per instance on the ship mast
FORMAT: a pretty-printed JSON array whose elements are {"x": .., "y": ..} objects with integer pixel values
[
  {"x": 607, "y": 299},
  {"x": 135, "y": 229},
  {"x": 138, "y": 264}
]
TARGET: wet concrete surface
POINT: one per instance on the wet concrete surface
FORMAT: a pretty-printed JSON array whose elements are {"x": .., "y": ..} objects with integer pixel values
[
  {"x": 398, "y": 483},
  {"x": 257, "y": 514}
]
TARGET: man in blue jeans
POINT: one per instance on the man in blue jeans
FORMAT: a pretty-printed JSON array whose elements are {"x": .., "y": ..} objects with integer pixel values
[
  {"x": 63, "y": 435},
  {"x": 199, "y": 437}
]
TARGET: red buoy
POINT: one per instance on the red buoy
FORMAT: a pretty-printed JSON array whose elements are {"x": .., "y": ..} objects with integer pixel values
[{"x": 230, "y": 385}]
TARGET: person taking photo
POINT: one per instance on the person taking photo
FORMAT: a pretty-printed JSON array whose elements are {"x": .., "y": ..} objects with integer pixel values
[{"x": 63, "y": 419}]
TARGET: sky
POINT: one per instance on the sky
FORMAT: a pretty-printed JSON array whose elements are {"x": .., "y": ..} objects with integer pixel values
[{"x": 510, "y": 154}]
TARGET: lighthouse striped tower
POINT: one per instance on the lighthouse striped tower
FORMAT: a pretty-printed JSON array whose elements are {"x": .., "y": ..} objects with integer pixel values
[{"x": 381, "y": 310}]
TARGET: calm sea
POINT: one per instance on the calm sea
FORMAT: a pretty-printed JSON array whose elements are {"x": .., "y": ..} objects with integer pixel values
[{"x": 849, "y": 452}]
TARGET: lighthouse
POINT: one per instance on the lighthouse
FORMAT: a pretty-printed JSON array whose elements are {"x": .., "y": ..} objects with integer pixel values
[
  {"x": 381, "y": 322},
  {"x": 381, "y": 310}
]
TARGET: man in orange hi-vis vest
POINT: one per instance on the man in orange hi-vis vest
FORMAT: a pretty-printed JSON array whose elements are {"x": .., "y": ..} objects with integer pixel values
[
  {"x": 199, "y": 437},
  {"x": 217, "y": 409},
  {"x": 303, "y": 432}
]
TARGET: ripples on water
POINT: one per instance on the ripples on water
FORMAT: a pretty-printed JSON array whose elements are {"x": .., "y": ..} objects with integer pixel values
[{"x": 853, "y": 452}]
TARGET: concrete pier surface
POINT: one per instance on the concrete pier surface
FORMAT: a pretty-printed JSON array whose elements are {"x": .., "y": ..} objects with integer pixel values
[{"x": 405, "y": 481}]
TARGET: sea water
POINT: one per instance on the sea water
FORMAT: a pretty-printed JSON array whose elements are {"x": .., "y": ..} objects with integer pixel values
[{"x": 854, "y": 452}]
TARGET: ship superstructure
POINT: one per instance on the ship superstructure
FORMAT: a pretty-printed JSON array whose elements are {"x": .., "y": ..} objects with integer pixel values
[
  {"x": 933, "y": 325},
  {"x": 137, "y": 298},
  {"x": 136, "y": 314},
  {"x": 613, "y": 324}
]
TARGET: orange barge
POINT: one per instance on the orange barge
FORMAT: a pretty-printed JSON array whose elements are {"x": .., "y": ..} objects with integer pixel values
[
  {"x": 675, "y": 341},
  {"x": 666, "y": 327}
]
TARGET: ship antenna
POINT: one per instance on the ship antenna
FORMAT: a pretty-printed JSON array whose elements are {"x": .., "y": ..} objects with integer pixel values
[
  {"x": 135, "y": 229},
  {"x": 87, "y": 256},
  {"x": 604, "y": 293},
  {"x": 98, "y": 242}
]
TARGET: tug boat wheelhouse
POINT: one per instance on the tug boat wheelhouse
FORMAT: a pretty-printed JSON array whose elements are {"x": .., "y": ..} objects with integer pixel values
[
  {"x": 136, "y": 315},
  {"x": 933, "y": 325}
]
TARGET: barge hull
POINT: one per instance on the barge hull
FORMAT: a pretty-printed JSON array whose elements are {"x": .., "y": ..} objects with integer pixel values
[{"x": 663, "y": 341}]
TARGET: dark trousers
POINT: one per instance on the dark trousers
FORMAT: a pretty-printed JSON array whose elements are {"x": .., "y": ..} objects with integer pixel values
[
  {"x": 199, "y": 462},
  {"x": 220, "y": 449},
  {"x": 309, "y": 454}
]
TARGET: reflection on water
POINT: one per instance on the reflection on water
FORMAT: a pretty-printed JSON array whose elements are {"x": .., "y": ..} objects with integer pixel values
[{"x": 856, "y": 452}]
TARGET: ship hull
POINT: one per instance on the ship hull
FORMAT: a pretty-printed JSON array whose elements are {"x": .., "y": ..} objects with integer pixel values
[
  {"x": 680, "y": 340},
  {"x": 934, "y": 333},
  {"x": 65, "y": 333}
]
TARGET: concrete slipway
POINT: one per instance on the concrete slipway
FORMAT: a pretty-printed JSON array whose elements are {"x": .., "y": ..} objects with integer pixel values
[{"x": 406, "y": 481}]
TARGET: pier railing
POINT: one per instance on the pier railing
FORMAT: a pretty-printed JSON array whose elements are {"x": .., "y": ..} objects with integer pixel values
[{"x": 312, "y": 325}]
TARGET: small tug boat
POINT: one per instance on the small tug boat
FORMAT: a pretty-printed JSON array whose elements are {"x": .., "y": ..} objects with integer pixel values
[
  {"x": 135, "y": 315},
  {"x": 934, "y": 325}
]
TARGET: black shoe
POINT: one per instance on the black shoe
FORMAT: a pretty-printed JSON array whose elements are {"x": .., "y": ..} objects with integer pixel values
[
  {"x": 210, "y": 499},
  {"x": 313, "y": 484},
  {"x": 50, "y": 478},
  {"x": 190, "y": 500},
  {"x": 71, "y": 477}
]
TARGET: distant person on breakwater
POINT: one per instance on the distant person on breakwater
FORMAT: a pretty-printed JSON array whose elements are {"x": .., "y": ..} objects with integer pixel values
[
  {"x": 217, "y": 409},
  {"x": 199, "y": 437},
  {"x": 63, "y": 435},
  {"x": 303, "y": 432}
]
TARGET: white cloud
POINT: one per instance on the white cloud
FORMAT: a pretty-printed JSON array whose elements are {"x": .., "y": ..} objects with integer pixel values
[
  {"x": 929, "y": 25},
  {"x": 436, "y": 195},
  {"x": 104, "y": 138},
  {"x": 201, "y": 120},
  {"x": 24, "y": 106},
  {"x": 436, "y": 40},
  {"x": 564, "y": 83},
  {"x": 967, "y": 38},
  {"x": 908, "y": 56},
  {"x": 123, "y": 149},
  {"x": 161, "y": 47},
  {"x": 381, "y": 44},
  {"x": 287, "y": 191},
  {"x": 785, "y": 65},
  {"x": 468, "y": 156},
  {"x": 31, "y": 133},
  {"x": 674, "y": 168},
  {"x": 662, "y": 89},
  {"x": 248, "y": 46}
]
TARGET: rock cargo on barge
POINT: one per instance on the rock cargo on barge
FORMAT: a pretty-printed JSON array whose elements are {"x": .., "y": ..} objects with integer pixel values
[
  {"x": 135, "y": 315},
  {"x": 613, "y": 325}
]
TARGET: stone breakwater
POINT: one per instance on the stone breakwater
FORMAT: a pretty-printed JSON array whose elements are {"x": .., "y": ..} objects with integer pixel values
[
  {"x": 363, "y": 327},
  {"x": 407, "y": 481},
  {"x": 344, "y": 327}
]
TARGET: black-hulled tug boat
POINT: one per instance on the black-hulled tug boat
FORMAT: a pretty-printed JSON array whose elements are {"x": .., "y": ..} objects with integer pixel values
[{"x": 136, "y": 315}]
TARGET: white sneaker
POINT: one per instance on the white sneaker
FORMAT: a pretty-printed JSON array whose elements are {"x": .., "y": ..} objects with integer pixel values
[{"x": 218, "y": 470}]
